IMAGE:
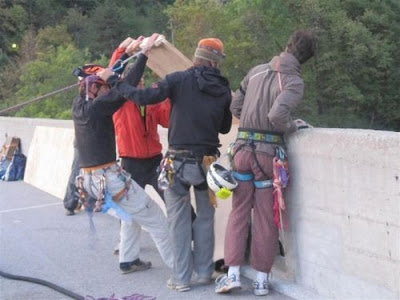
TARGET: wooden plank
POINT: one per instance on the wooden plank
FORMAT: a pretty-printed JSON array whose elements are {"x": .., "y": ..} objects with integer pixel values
[{"x": 164, "y": 59}]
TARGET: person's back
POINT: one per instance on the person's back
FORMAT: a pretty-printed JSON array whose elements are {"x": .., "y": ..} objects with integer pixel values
[
  {"x": 266, "y": 97},
  {"x": 264, "y": 86},
  {"x": 200, "y": 100},
  {"x": 99, "y": 141}
]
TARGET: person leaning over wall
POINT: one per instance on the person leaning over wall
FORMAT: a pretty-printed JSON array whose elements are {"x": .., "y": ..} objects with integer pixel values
[
  {"x": 263, "y": 103},
  {"x": 101, "y": 176},
  {"x": 200, "y": 100}
]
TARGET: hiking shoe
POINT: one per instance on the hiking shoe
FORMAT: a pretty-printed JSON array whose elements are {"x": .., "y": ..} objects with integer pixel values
[
  {"x": 177, "y": 287},
  {"x": 134, "y": 266},
  {"x": 225, "y": 284},
  {"x": 261, "y": 289}
]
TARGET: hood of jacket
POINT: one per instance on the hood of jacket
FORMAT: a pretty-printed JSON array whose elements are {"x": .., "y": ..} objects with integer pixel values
[
  {"x": 285, "y": 63},
  {"x": 210, "y": 81}
]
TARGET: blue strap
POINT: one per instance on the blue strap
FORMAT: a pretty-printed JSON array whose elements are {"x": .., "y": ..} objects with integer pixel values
[
  {"x": 109, "y": 203},
  {"x": 243, "y": 176},
  {"x": 263, "y": 184},
  {"x": 118, "y": 65}
]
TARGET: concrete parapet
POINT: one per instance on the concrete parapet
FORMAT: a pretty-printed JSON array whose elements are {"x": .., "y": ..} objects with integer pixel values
[
  {"x": 50, "y": 159},
  {"x": 343, "y": 203},
  {"x": 24, "y": 128},
  {"x": 344, "y": 206}
]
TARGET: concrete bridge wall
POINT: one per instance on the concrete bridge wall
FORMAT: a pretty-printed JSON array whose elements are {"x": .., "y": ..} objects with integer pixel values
[{"x": 343, "y": 204}]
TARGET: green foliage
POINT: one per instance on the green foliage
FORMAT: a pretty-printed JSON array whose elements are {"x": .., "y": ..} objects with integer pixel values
[
  {"x": 13, "y": 20},
  {"x": 51, "y": 71},
  {"x": 247, "y": 29},
  {"x": 352, "y": 82},
  {"x": 357, "y": 58},
  {"x": 52, "y": 37}
]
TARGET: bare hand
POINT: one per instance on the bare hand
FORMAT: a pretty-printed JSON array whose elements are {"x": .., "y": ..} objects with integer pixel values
[
  {"x": 126, "y": 42},
  {"x": 150, "y": 42},
  {"x": 105, "y": 74},
  {"x": 302, "y": 124},
  {"x": 134, "y": 46}
]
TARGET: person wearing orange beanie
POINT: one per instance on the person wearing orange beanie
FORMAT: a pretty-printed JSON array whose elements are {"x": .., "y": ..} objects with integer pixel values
[{"x": 200, "y": 99}]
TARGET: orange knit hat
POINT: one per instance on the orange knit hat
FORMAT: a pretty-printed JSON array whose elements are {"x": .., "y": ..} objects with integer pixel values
[{"x": 210, "y": 49}]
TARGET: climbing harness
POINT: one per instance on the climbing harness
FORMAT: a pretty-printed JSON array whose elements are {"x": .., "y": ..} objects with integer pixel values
[
  {"x": 259, "y": 184},
  {"x": 104, "y": 200},
  {"x": 260, "y": 136},
  {"x": 280, "y": 178}
]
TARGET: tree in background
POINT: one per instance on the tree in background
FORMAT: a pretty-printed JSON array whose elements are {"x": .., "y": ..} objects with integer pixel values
[
  {"x": 352, "y": 82},
  {"x": 51, "y": 70},
  {"x": 358, "y": 61}
]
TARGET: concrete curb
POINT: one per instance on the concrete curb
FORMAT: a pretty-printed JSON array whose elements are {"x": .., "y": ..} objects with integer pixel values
[{"x": 283, "y": 286}]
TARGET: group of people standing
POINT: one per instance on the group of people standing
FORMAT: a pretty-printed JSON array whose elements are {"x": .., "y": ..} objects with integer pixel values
[{"x": 197, "y": 105}]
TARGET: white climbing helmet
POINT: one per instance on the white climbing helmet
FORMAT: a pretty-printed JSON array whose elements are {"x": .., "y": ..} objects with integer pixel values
[{"x": 221, "y": 180}]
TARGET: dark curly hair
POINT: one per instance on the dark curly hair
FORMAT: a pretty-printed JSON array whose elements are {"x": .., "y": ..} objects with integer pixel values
[{"x": 302, "y": 45}]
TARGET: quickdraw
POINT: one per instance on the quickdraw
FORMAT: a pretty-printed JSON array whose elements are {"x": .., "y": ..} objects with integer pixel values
[{"x": 166, "y": 169}]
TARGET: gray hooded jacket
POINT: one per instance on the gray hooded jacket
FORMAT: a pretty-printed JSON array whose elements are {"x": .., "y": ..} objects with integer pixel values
[{"x": 263, "y": 102}]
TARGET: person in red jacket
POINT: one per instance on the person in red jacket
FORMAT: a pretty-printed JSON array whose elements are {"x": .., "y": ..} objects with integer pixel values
[
  {"x": 138, "y": 141},
  {"x": 137, "y": 138}
]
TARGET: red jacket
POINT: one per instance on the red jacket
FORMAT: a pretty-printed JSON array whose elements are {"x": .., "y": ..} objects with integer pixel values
[{"x": 137, "y": 136}]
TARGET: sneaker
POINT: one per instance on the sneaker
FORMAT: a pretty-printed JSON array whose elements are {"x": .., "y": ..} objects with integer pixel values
[
  {"x": 225, "y": 284},
  {"x": 134, "y": 266},
  {"x": 261, "y": 289},
  {"x": 177, "y": 287}
]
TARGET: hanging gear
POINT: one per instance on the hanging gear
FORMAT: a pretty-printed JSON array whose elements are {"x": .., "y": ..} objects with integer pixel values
[
  {"x": 221, "y": 180},
  {"x": 207, "y": 161},
  {"x": 167, "y": 171},
  {"x": 110, "y": 203},
  {"x": 281, "y": 181}
]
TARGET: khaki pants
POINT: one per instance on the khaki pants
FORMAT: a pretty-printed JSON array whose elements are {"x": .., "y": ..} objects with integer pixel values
[{"x": 144, "y": 212}]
